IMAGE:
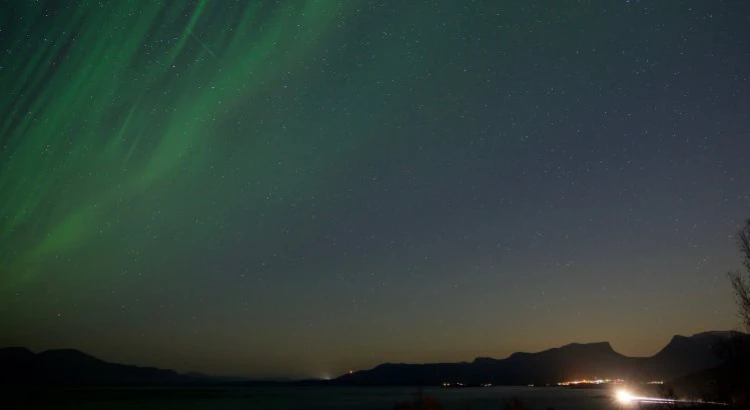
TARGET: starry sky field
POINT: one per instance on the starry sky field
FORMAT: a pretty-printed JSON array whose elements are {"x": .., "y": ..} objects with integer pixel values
[{"x": 299, "y": 188}]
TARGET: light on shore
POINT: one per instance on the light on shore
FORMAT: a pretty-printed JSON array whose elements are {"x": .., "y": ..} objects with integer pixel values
[{"x": 624, "y": 396}]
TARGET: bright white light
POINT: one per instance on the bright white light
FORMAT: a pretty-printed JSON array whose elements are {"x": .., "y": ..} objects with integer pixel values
[{"x": 624, "y": 396}]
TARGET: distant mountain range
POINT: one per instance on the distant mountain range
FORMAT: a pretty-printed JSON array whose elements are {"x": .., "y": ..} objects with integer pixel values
[
  {"x": 20, "y": 366},
  {"x": 71, "y": 367},
  {"x": 681, "y": 357}
]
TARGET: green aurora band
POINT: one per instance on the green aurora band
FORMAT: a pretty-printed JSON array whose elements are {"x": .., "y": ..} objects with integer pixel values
[{"x": 120, "y": 97}]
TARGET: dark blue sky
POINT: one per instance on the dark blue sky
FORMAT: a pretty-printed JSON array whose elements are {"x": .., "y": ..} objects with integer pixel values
[{"x": 301, "y": 188}]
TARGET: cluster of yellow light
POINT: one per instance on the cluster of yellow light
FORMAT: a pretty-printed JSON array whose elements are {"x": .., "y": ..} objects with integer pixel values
[
  {"x": 458, "y": 384},
  {"x": 591, "y": 381}
]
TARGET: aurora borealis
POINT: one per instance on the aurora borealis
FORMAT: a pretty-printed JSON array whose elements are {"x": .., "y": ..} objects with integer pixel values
[
  {"x": 116, "y": 98},
  {"x": 299, "y": 188}
]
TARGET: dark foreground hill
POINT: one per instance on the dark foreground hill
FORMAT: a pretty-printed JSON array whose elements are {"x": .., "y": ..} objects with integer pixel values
[{"x": 682, "y": 356}]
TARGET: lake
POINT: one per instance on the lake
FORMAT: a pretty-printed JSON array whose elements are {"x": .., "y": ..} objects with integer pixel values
[{"x": 332, "y": 398}]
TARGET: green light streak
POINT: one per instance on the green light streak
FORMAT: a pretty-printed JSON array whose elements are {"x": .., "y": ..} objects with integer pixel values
[{"x": 117, "y": 98}]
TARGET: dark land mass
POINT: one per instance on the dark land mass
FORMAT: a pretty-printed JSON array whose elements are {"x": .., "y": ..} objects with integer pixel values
[{"x": 681, "y": 357}]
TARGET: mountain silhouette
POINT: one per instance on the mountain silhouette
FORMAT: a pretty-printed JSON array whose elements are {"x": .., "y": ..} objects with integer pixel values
[
  {"x": 682, "y": 356},
  {"x": 71, "y": 367},
  {"x": 686, "y": 355}
]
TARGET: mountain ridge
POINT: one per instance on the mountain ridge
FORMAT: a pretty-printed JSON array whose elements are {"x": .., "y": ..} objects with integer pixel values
[{"x": 682, "y": 356}]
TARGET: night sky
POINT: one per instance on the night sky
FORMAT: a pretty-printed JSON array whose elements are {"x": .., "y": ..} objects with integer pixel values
[{"x": 299, "y": 188}]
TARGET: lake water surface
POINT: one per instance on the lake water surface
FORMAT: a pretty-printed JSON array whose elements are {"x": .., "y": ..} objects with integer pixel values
[{"x": 339, "y": 398}]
